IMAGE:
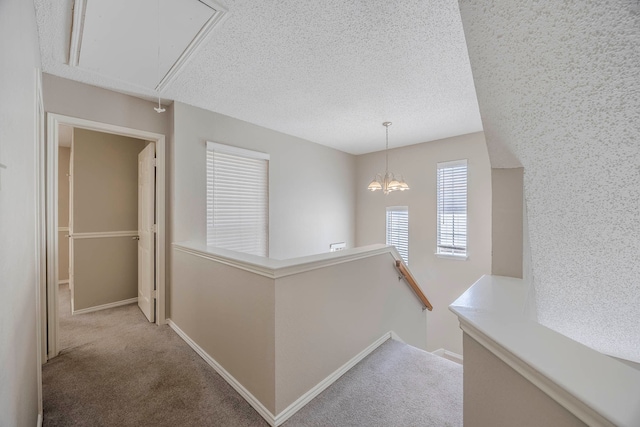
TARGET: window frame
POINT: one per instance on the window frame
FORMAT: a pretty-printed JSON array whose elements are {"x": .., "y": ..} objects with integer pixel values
[{"x": 440, "y": 252}]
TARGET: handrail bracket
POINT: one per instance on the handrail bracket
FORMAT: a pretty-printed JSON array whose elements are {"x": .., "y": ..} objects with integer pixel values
[{"x": 408, "y": 277}]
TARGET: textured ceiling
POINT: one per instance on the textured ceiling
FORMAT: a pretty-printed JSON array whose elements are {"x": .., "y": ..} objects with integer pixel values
[{"x": 330, "y": 72}]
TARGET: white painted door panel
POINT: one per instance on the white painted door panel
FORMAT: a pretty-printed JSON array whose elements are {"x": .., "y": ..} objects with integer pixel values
[{"x": 146, "y": 234}]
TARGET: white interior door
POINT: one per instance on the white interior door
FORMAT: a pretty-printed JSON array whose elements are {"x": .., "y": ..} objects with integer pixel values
[{"x": 146, "y": 234}]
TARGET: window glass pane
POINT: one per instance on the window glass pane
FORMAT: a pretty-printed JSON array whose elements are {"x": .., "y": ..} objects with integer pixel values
[
  {"x": 237, "y": 201},
  {"x": 398, "y": 230},
  {"x": 452, "y": 208}
]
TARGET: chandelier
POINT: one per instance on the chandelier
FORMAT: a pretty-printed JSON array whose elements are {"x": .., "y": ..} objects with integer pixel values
[{"x": 387, "y": 182}]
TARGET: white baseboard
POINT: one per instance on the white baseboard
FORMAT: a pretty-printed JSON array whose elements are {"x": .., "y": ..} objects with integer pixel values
[
  {"x": 39, "y": 422},
  {"x": 302, "y": 400},
  {"x": 322, "y": 385},
  {"x": 105, "y": 306},
  {"x": 454, "y": 357},
  {"x": 63, "y": 282},
  {"x": 246, "y": 394}
]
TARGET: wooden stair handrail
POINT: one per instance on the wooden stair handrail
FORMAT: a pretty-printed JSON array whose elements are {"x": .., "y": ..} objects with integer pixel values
[{"x": 414, "y": 285}]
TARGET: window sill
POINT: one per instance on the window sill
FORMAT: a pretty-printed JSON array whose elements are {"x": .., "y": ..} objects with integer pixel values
[{"x": 451, "y": 256}]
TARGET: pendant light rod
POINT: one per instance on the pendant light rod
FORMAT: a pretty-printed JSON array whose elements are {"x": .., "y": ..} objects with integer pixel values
[{"x": 386, "y": 166}]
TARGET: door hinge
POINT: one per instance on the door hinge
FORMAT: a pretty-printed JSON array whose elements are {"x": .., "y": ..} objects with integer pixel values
[
  {"x": 154, "y": 294},
  {"x": 155, "y": 228},
  {"x": 155, "y": 162}
]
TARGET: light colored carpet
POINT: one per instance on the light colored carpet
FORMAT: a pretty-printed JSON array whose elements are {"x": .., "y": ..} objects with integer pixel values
[
  {"x": 396, "y": 385},
  {"x": 116, "y": 369},
  {"x": 120, "y": 370}
]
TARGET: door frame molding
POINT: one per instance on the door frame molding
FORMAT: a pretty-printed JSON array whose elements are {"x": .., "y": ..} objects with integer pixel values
[{"x": 51, "y": 191}]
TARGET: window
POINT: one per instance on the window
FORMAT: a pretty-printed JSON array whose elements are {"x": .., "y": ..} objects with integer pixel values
[
  {"x": 452, "y": 208},
  {"x": 237, "y": 199},
  {"x": 398, "y": 230}
]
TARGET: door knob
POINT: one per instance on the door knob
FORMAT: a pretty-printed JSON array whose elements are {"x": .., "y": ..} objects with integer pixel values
[{"x": 136, "y": 238}]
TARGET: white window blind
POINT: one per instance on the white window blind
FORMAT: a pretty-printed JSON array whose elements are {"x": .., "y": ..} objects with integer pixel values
[
  {"x": 398, "y": 230},
  {"x": 452, "y": 208},
  {"x": 237, "y": 199}
]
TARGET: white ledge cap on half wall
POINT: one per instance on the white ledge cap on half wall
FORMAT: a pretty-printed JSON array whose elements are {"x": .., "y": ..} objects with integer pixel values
[
  {"x": 275, "y": 268},
  {"x": 594, "y": 387}
]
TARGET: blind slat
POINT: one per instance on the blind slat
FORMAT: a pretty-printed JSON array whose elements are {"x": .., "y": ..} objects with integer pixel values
[
  {"x": 398, "y": 230},
  {"x": 237, "y": 202}
]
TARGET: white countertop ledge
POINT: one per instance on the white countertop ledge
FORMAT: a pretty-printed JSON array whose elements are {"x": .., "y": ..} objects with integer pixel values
[
  {"x": 594, "y": 387},
  {"x": 276, "y": 268}
]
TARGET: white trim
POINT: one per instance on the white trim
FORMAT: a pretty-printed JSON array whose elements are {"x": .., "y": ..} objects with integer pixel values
[
  {"x": 491, "y": 312},
  {"x": 396, "y": 337},
  {"x": 452, "y": 163},
  {"x": 51, "y": 192},
  {"x": 40, "y": 238},
  {"x": 104, "y": 234},
  {"x": 236, "y": 151},
  {"x": 105, "y": 306},
  {"x": 217, "y": 18},
  {"x": 454, "y": 357},
  {"x": 333, "y": 377},
  {"x": 246, "y": 394},
  {"x": 302, "y": 400},
  {"x": 77, "y": 27},
  {"x": 275, "y": 269},
  {"x": 63, "y": 282},
  {"x": 61, "y": 229},
  {"x": 453, "y": 256},
  {"x": 567, "y": 400}
]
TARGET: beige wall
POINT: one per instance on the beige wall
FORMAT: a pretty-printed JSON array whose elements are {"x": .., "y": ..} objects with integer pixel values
[
  {"x": 325, "y": 317},
  {"x": 311, "y": 192},
  {"x": 83, "y": 101},
  {"x": 105, "y": 271},
  {"x": 506, "y": 222},
  {"x": 105, "y": 199},
  {"x": 229, "y": 313},
  {"x": 281, "y": 337},
  {"x": 63, "y": 212},
  {"x": 19, "y": 58},
  {"x": 497, "y": 396},
  {"x": 442, "y": 279}
]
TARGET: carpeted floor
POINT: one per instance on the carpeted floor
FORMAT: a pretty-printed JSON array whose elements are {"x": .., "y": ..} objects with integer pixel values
[
  {"x": 396, "y": 385},
  {"x": 116, "y": 369}
]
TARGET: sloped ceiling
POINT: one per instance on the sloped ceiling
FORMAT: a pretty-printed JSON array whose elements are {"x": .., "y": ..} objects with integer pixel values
[{"x": 330, "y": 72}]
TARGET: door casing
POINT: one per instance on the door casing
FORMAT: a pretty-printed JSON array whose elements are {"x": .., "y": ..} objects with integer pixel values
[{"x": 50, "y": 288}]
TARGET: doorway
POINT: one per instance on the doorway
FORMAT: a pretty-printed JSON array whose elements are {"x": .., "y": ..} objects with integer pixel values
[{"x": 156, "y": 279}]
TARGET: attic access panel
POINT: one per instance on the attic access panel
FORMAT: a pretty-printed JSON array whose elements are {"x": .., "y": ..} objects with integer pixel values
[{"x": 120, "y": 38}]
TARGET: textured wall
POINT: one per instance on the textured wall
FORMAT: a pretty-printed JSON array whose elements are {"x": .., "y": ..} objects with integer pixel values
[{"x": 558, "y": 85}]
